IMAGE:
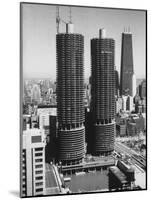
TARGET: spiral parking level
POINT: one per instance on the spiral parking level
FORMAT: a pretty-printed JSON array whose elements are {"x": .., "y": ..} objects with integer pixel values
[
  {"x": 104, "y": 138},
  {"x": 71, "y": 145}
]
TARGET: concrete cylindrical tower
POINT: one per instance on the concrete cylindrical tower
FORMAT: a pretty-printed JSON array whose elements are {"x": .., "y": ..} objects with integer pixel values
[
  {"x": 103, "y": 93},
  {"x": 70, "y": 105}
]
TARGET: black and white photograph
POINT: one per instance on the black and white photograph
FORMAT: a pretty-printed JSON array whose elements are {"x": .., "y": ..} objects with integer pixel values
[{"x": 83, "y": 126}]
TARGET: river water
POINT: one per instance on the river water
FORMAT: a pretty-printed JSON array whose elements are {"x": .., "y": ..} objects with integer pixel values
[{"x": 88, "y": 182}]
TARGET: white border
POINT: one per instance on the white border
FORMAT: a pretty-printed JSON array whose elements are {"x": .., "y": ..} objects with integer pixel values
[{"x": 9, "y": 99}]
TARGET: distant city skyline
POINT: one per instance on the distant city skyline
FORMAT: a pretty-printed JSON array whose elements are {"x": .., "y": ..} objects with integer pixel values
[{"x": 39, "y": 36}]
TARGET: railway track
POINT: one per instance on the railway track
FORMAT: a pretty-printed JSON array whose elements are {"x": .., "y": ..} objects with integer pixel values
[{"x": 138, "y": 159}]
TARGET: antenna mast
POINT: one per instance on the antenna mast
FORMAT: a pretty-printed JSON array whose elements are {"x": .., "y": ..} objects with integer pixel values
[
  {"x": 70, "y": 16},
  {"x": 57, "y": 19}
]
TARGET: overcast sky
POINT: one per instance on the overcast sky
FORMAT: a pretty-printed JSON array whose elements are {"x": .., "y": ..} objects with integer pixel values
[{"x": 39, "y": 36}]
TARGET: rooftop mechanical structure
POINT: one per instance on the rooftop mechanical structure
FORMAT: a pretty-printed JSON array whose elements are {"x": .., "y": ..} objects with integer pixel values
[
  {"x": 70, "y": 93},
  {"x": 103, "y": 94}
]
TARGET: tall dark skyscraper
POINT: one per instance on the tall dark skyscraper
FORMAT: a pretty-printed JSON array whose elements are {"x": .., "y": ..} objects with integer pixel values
[
  {"x": 103, "y": 94},
  {"x": 127, "y": 71},
  {"x": 142, "y": 89},
  {"x": 117, "y": 84},
  {"x": 70, "y": 93}
]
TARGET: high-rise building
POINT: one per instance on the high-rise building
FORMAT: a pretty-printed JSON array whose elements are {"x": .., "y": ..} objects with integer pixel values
[
  {"x": 119, "y": 104},
  {"x": 26, "y": 121},
  {"x": 70, "y": 94},
  {"x": 47, "y": 121},
  {"x": 142, "y": 89},
  {"x": 131, "y": 129},
  {"x": 117, "y": 84},
  {"x": 103, "y": 93},
  {"x": 44, "y": 123},
  {"x": 129, "y": 104},
  {"x": 127, "y": 71},
  {"x": 35, "y": 94},
  {"x": 33, "y": 163},
  {"x": 120, "y": 129},
  {"x": 124, "y": 100},
  {"x": 133, "y": 85}
]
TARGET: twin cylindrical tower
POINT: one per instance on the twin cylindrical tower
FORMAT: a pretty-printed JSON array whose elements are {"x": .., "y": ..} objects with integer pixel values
[
  {"x": 70, "y": 93},
  {"x": 103, "y": 94}
]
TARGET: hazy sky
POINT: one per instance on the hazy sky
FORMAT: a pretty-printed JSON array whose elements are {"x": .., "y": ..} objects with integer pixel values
[{"x": 39, "y": 36}]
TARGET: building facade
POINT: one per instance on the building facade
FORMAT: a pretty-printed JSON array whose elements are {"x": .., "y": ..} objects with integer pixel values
[
  {"x": 120, "y": 129},
  {"x": 33, "y": 163},
  {"x": 133, "y": 85},
  {"x": 103, "y": 94},
  {"x": 119, "y": 105},
  {"x": 142, "y": 89},
  {"x": 117, "y": 84},
  {"x": 36, "y": 94}
]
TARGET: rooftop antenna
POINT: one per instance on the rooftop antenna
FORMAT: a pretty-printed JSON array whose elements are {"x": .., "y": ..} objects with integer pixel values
[
  {"x": 57, "y": 19},
  {"x": 70, "y": 16}
]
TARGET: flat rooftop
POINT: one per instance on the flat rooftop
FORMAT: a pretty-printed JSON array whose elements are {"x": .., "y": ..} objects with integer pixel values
[{"x": 120, "y": 175}]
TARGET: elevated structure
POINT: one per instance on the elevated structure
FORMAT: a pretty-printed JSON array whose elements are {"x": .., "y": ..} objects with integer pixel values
[
  {"x": 86, "y": 166},
  {"x": 70, "y": 92},
  {"x": 57, "y": 19},
  {"x": 103, "y": 94}
]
